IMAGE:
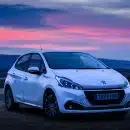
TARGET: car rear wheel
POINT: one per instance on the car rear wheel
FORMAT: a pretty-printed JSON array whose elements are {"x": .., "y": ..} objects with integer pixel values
[
  {"x": 9, "y": 100},
  {"x": 50, "y": 105}
]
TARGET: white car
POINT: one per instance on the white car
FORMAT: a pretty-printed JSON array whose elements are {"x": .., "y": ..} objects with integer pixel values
[{"x": 66, "y": 82}]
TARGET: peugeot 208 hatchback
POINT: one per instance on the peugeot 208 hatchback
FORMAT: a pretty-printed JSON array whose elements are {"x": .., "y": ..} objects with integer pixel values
[{"x": 66, "y": 82}]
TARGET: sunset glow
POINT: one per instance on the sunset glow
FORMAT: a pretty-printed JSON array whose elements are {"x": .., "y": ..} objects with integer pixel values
[{"x": 65, "y": 27}]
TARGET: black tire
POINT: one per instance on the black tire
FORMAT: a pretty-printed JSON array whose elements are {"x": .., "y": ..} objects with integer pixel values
[
  {"x": 50, "y": 105},
  {"x": 119, "y": 115},
  {"x": 9, "y": 100}
]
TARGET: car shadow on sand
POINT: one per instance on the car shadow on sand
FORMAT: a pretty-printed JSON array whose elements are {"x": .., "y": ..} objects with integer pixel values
[{"x": 67, "y": 117}]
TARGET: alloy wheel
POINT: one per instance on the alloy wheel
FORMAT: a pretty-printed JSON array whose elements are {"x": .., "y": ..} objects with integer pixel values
[{"x": 50, "y": 105}]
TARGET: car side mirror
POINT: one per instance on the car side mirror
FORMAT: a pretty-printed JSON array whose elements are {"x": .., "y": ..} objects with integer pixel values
[{"x": 34, "y": 70}]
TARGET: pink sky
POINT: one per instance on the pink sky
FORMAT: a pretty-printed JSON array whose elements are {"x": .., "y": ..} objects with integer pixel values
[
  {"x": 99, "y": 34},
  {"x": 65, "y": 36},
  {"x": 74, "y": 28}
]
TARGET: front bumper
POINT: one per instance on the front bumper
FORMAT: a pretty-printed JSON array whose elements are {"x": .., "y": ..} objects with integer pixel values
[
  {"x": 65, "y": 95},
  {"x": 95, "y": 111}
]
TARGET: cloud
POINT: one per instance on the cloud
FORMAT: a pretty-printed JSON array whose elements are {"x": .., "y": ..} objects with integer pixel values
[
  {"x": 113, "y": 11},
  {"x": 68, "y": 35},
  {"x": 22, "y": 22},
  {"x": 88, "y": 17},
  {"x": 98, "y": 26},
  {"x": 27, "y": 45},
  {"x": 42, "y": 3},
  {"x": 23, "y": 16}
]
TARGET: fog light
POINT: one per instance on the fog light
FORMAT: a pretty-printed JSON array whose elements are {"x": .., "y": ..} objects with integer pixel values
[
  {"x": 70, "y": 107},
  {"x": 73, "y": 106}
]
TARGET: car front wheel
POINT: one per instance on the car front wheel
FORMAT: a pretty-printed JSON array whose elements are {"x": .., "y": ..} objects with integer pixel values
[{"x": 50, "y": 104}]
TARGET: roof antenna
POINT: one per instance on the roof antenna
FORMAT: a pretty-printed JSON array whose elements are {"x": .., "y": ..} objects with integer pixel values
[{"x": 40, "y": 46}]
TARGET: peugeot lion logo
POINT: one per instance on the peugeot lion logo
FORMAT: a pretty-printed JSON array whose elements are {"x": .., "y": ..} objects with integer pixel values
[{"x": 103, "y": 82}]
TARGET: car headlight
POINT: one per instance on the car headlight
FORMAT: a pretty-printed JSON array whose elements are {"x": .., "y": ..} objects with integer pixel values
[{"x": 67, "y": 83}]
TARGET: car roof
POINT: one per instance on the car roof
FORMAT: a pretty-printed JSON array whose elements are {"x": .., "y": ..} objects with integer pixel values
[{"x": 45, "y": 51}]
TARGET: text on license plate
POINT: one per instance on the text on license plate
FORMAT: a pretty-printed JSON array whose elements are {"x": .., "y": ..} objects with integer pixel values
[{"x": 108, "y": 96}]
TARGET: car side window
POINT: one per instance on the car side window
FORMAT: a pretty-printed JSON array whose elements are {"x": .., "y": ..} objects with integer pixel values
[
  {"x": 37, "y": 61},
  {"x": 22, "y": 63}
]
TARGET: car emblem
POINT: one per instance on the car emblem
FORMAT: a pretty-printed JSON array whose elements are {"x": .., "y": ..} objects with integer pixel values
[{"x": 103, "y": 82}]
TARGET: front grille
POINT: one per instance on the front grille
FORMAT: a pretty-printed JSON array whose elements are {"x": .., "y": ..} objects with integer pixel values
[{"x": 90, "y": 95}]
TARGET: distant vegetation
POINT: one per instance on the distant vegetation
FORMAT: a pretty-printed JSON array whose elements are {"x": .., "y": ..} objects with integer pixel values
[{"x": 6, "y": 62}]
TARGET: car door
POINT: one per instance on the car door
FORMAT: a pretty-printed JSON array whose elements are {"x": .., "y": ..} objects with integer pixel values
[
  {"x": 19, "y": 75},
  {"x": 33, "y": 91}
]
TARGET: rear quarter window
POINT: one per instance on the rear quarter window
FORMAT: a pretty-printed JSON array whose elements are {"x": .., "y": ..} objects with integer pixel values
[{"x": 23, "y": 62}]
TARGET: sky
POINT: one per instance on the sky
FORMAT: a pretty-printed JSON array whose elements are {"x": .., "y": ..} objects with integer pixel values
[{"x": 99, "y": 27}]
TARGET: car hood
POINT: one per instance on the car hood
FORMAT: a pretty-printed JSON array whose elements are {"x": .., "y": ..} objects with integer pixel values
[{"x": 94, "y": 78}]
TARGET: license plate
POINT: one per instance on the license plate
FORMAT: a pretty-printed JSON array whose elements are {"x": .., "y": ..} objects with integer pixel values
[{"x": 108, "y": 96}]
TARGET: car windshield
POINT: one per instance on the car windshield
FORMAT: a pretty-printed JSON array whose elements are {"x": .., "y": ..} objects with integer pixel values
[{"x": 72, "y": 60}]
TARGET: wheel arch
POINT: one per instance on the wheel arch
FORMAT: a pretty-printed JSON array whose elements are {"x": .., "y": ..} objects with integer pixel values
[
  {"x": 7, "y": 84},
  {"x": 6, "y": 87},
  {"x": 49, "y": 89}
]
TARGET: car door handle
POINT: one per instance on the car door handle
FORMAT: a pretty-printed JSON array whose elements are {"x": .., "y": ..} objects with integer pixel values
[
  {"x": 13, "y": 74},
  {"x": 25, "y": 78}
]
